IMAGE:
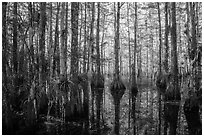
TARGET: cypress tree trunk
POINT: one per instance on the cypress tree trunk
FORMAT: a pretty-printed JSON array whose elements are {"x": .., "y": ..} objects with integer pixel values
[
  {"x": 62, "y": 45},
  {"x": 74, "y": 55},
  {"x": 15, "y": 48},
  {"x": 160, "y": 44},
  {"x": 56, "y": 43},
  {"x": 134, "y": 89},
  {"x": 166, "y": 55},
  {"x": 129, "y": 48},
  {"x": 117, "y": 88},
  {"x": 166, "y": 38},
  {"x": 117, "y": 117},
  {"x": 4, "y": 45},
  {"x": 85, "y": 39},
  {"x": 193, "y": 102},
  {"x": 91, "y": 42},
  {"x": 42, "y": 39},
  {"x": 99, "y": 80},
  {"x": 172, "y": 95},
  {"x": 86, "y": 89}
]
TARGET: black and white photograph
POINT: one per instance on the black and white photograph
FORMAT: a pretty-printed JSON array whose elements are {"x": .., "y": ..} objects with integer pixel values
[{"x": 101, "y": 68}]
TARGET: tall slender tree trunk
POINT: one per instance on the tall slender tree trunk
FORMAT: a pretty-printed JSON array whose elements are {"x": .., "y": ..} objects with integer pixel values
[
  {"x": 62, "y": 54},
  {"x": 85, "y": 40},
  {"x": 50, "y": 53},
  {"x": 74, "y": 52},
  {"x": 99, "y": 81},
  {"x": 80, "y": 36},
  {"x": 102, "y": 64},
  {"x": 31, "y": 34},
  {"x": 160, "y": 46},
  {"x": 147, "y": 63},
  {"x": 56, "y": 43},
  {"x": 91, "y": 42},
  {"x": 188, "y": 41},
  {"x": 43, "y": 66},
  {"x": 103, "y": 45},
  {"x": 86, "y": 92},
  {"x": 62, "y": 38},
  {"x": 194, "y": 49},
  {"x": 129, "y": 47},
  {"x": 166, "y": 55},
  {"x": 117, "y": 87},
  {"x": 117, "y": 42},
  {"x": 42, "y": 39},
  {"x": 152, "y": 72},
  {"x": 134, "y": 89},
  {"x": 50, "y": 59},
  {"x": 166, "y": 38},
  {"x": 174, "y": 46},
  {"x": 97, "y": 41},
  {"x": 4, "y": 45},
  {"x": 117, "y": 103},
  {"x": 139, "y": 74},
  {"x": 66, "y": 38},
  {"x": 15, "y": 47},
  {"x": 173, "y": 93}
]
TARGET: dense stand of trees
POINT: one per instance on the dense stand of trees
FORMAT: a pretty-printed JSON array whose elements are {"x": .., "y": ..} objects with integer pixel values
[{"x": 62, "y": 63}]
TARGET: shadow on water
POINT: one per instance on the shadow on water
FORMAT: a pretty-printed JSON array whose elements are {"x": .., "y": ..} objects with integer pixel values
[
  {"x": 58, "y": 128},
  {"x": 55, "y": 126},
  {"x": 52, "y": 126}
]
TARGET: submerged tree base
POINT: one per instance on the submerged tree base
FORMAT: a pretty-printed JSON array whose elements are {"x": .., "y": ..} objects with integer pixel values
[
  {"x": 117, "y": 91},
  {"x": 191, "y": 111},
  {"x": 171, "y": 116}
]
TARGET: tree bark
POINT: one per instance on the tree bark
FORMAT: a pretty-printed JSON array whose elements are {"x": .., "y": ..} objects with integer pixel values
[
  {"x": 15, "y": 47},
  {"x": 174, "y": 46},
  {"x": 74, "y": 49},
  {"x": 56, "y": 43},
  {"x": 103, "y": 45},
  {"x": 160, "y": 46},
  {"x": 86, "y": 91},
  {"x": 117, "y": 87},
  {"x": 50, "y": 53},
  {"x": 117, "y": 72},
  {"x": 166, "y": 38},
  {"x": 62, "y": 45},
  {"x": 117, "y": 117},
  {"x": 31, "y": 34},
  {"x": 66, "y": 37},
  {"x": 4, "y": 44},
  {"x": 42, "y": 39},
  {"x": 166, "y": 55},
  {"x": 91, "y": 43},
  {"x": 85, "y": 41},
  {"x": 134, "y": 87},
  {"x": 173, "y": 93},
  {"x": 129, "y": 48},
  {"x": 97, "y": 41},
  {"x": 99, "y": 92}
]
